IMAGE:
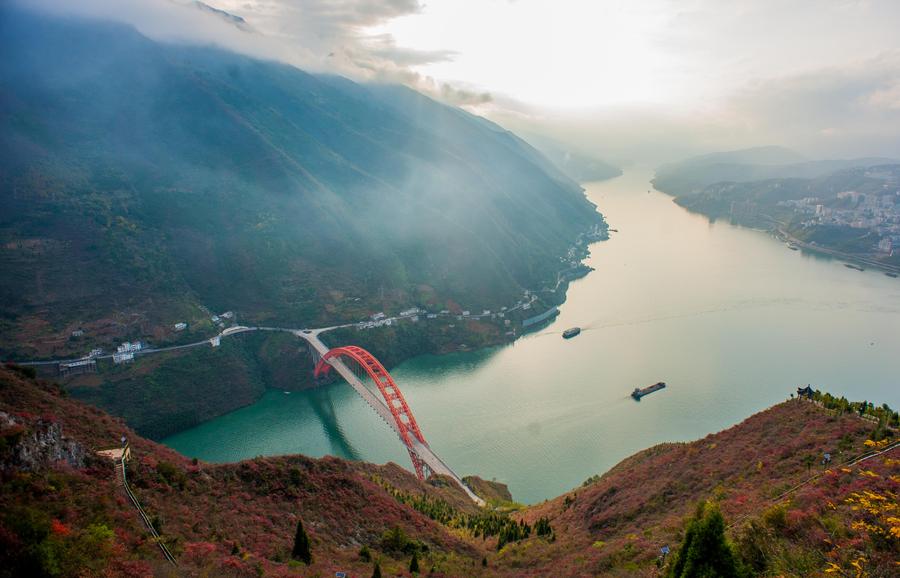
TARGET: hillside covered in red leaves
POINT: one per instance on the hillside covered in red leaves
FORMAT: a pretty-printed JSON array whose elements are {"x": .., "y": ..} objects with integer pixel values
[{"x": 64, "y": 512}]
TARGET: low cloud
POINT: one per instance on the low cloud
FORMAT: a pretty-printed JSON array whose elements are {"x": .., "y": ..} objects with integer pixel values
[
  {"x": 859, "y": 103},
  {"x": 384, "y": 47},
  {"x": 840, "y": 112},
  {"x": 888, "y": 97},
  {"x": 315, "y": 35}
]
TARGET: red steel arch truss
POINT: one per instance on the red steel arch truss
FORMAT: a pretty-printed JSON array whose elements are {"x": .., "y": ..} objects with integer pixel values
[{"x": 364, "y": 363}]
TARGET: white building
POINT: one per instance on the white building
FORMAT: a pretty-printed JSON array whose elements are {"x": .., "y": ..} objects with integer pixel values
[
  {"x": 127, "y": 347},
  {"x": 409, "y": 312},
  {"x": 378, "y": 316},
  {"x": 180, "y": 326},
  {"x": 123, "y": 357}
]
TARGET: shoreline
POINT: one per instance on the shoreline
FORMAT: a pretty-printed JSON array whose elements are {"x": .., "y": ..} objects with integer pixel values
[
  {"x": 777, "y": 231},
  {"x": 786, "y": 237},
  {"x": 475, "y": 334}
]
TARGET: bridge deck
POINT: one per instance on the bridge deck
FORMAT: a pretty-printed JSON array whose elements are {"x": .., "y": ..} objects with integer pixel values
[{"x": 425, "y": 453}]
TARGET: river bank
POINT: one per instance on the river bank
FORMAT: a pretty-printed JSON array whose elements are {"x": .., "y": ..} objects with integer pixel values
[
  {"x": 782, "y": 235},
  {"x": 149, "y": 392},
  {"x": 748, "y": 214},
  {"x": 674, "y": 298}
]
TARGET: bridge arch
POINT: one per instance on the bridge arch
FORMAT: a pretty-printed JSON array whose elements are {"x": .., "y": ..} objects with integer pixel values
[{"x": 364, "y": 363}]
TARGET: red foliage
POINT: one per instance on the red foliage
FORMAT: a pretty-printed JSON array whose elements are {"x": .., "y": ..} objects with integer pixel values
[
  {"x": 59, "y": 529},
  {"x": 251, "y": 508}
]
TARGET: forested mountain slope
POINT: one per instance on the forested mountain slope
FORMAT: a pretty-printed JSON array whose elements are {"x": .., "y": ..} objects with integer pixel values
[{"x": 140, "y": 179}]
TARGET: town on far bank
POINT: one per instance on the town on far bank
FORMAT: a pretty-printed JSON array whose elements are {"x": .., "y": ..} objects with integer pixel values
[{"x": 852, "y": 214}]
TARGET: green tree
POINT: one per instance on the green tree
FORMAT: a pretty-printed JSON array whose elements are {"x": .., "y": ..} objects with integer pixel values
[
  {"x": 301, "y": 545},
  {"x": 395, "y": 540},
  {"x": 376, "y": 573},
  {"x": 808, "y": 461},
  {"x": 414, "y": 563},
  {"x": 543, "y": 528},
  {"x": 705, "y": 552}
]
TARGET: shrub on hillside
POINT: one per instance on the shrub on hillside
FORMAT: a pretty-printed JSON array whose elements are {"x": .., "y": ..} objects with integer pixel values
[
  {"x": 301, "y": 549},
  {"x": 705, "y": 550}
]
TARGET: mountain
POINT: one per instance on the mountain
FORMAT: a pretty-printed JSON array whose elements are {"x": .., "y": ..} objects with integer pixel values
[
  {"x": 716, "y": 200},
  {"x": 227, "y": 16},
  {"x": 764, "y": 155},
  {"x": 694, "y": 174},
  {"x": 64, "y": 511},
  {"x": 580, "y": 167},
  {"x": 845, "y": 208},
  {"x": 140, "y": 181}
]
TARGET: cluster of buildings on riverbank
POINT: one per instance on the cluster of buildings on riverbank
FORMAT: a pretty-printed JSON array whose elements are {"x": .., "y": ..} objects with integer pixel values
[
  {"x": 414, "y": 314},
  {"x": 877, "y": 213}
]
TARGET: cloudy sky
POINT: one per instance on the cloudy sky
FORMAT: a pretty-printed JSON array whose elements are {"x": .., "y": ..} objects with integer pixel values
[{"x": 623, "y": 77}]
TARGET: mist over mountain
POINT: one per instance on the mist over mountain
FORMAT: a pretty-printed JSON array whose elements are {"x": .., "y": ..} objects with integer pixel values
[
  {"x": 692, "y": 175},
  {"x": 576, "y": 165},
  {"x": 137, "y": 175},
  {"x": 764, "y": 155}
]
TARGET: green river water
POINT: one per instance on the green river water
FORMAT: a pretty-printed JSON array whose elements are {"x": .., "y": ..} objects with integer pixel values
[{"x": 730, "y": 318}]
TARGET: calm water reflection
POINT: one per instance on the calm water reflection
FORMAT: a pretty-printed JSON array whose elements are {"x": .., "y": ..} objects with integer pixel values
[{"x": 728, "y": 317}]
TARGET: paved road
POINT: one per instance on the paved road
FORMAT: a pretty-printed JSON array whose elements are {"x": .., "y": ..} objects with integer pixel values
[
  {"x": 835, "y": 253},
  {"x": 425, "y": 453},
  {"x": 242, "y": 329}
]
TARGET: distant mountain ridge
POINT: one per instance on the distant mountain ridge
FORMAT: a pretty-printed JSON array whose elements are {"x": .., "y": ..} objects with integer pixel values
[
  {"x": 763, "y": 155},
  {"x": 696, "y": 173},
  {"x": 575, "y": 165}
]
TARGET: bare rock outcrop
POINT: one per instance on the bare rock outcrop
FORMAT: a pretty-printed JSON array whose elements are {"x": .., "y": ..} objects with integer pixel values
[{"x": 36, "y": 444}]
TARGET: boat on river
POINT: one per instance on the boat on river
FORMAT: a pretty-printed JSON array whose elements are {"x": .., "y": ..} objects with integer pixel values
[
  {"x": 571, "y": 332},
  {"x": 853, "y": 266},
  {"x": 639, "y": 392}
]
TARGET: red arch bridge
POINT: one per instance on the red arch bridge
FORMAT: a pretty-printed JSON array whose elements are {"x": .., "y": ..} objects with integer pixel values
[{"x": 355, "y": 364}]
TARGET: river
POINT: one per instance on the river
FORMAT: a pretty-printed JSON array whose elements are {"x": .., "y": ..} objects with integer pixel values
[{"x": 730, "y": 318}]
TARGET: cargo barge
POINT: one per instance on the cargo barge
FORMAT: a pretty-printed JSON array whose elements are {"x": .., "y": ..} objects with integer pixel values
[
  {"x": 638, "y": 392},
  {"x": 571, "y": 332}
]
